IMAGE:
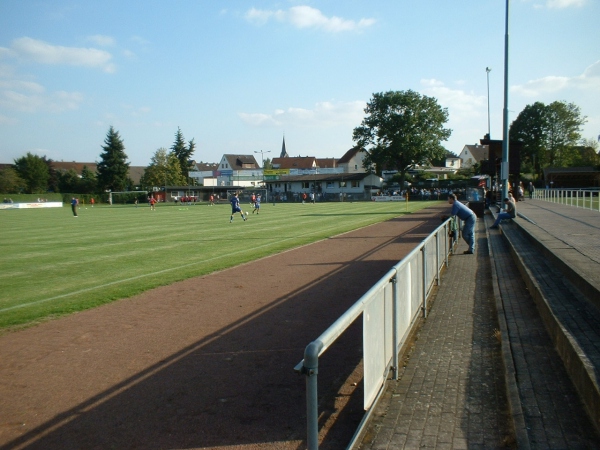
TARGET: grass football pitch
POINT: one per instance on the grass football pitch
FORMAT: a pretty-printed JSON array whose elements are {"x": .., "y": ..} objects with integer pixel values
[{"x": 54, "y": 264}]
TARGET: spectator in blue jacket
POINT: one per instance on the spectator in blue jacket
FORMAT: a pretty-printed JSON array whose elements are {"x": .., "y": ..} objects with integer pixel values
[{"x": 469, "y": 219}]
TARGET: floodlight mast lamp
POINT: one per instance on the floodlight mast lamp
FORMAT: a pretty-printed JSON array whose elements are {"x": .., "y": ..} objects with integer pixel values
[
  {"x": 488, "y": 70},
  {"x": 505, "y": 143},
  {"x": 262, "y": 157}
]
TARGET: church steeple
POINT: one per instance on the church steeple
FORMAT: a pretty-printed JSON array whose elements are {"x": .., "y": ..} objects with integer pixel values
[{"x": 283, "y": 150}]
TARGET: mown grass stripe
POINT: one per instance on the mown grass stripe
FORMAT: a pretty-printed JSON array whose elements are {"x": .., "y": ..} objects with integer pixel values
[{"x": 109, "y": 253}]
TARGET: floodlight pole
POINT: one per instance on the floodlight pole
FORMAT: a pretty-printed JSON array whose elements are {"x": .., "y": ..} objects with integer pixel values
[
  {"x": 505, "y": 137},
  {"x": 262, "y": 158},
  {"x": 488, "y": 70}
]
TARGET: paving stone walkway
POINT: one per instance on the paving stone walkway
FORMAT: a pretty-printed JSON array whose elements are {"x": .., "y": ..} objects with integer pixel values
[
  {"x": 452, "y": 392},
  {"x": 461, "y": 388}
]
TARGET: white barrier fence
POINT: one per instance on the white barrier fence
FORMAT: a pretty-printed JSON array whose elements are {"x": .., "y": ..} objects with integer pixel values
[
  {"x": 31, "y": 205},
  {"x": 388, "y": 198},
  {"x": 581, "y": 198},
  {"x": 389, "y": 310}
]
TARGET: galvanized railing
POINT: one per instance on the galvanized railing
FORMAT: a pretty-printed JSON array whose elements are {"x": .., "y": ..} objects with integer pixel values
[
  {"x": 389, "y": 310},
  {"x": 581, "y": 198}
]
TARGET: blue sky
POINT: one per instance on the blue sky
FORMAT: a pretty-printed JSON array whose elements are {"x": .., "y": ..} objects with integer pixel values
[{"x": 236, "y": 76}]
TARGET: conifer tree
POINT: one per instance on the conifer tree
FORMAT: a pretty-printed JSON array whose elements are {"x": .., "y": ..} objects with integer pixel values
[
  {"x": 113, "y": 168},
  {"x": 183, "y": 152}
]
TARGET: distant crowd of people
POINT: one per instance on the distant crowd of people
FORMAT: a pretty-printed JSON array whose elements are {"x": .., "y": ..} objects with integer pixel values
[{"x": 422, "y": 193}]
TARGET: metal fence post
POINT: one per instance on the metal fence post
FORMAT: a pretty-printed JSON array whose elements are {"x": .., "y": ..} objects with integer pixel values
[
  {"x": 395, "y": 333},
  {"x": 437, "y": 259},
  {"x": 311, "y": 370},
  {"x": 447, "y": 242},
  {"x": 424, "y": 280}
]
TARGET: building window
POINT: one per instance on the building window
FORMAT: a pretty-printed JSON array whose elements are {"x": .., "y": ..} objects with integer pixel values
[
  {"x": 306, "y": 185},
  {"x": 355, "y": 166},
  {"x": 330, "y": 184},
  {"x": 355, "y": 183},
  {"x": 342, "y": 184}
]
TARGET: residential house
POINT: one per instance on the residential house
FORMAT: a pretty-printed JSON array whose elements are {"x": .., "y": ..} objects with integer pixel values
[
  {"x": 352, "y": 161},
  {"x": 453, "y": 162},
  {"x": 473, "y": 154},
  {"x": 135, "y": 172},
  {"x": 239, "y": 171},
  {"x": 326, "y": 186},
  {"x": 329, "y": 179},
  {"x": 204, "y": 173},
  {"x": 299, "y": 162}
]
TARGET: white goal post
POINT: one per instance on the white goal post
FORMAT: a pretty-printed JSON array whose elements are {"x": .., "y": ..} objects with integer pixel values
[{"x": 128, "y": 194}]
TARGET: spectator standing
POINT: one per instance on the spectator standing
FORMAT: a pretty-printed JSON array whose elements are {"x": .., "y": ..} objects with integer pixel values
[
  {"x": 74, "y": 203},
  {"x": 521, "y": 192},
  {"x": 531, "y": 189},
  {"x": 469, "y": 219}
]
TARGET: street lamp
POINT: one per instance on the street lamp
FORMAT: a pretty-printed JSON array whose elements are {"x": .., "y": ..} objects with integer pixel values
[
  {"x": 488, "y": 70},
  {"x": 505, "y": 131},
  {"x": 262, "y": 157}
]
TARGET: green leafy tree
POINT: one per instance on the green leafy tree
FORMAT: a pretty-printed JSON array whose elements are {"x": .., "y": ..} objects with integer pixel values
[
  {"x": 10, "y": 182},
  {"x": 589, "y": 153},
  {"x": 183, "y": 152},
  {"x": 53, "y": 175},
  {"x": 402, "y": 129},
  {"x": 530, "y": 128},
  {"x": 441, "y": 162},
  {"x": 68, "y": 181},
  {"x": 113, "y": 167},
  {"x": 88, "y": 183},
  {"x": 564, "y": 132},
  {"x": 33, "y": 170},
  {"x": 163, "y": 170},
  {"x": 549, "y": 134}
]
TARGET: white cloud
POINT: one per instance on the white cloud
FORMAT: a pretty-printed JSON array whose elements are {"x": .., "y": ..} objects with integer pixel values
[
  {"x": 19, "y": 85},
  {"x": 323, "y": 115},
  {"x": 103, "y": 41},
  {"x": 32, "y": 100},
  {"x": 28, "y": 96},
  {"x": 140, "y": 40},
  {"x": 564, "y": 3},
  {"x": 467, "y": 112},
  {"x": 5, "y": 120},
  {"x": 261, "y": 17},
  {"x": 588, "y": 80},
  {"x": 307, "y": 17},
  {"x": 462, "y": 106},
  {"x": 6, "y": 53},
  {"x": 129, "y": 54},
  {"x": 258, "y": 119},
  {"x": 44, "y": 53}
]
